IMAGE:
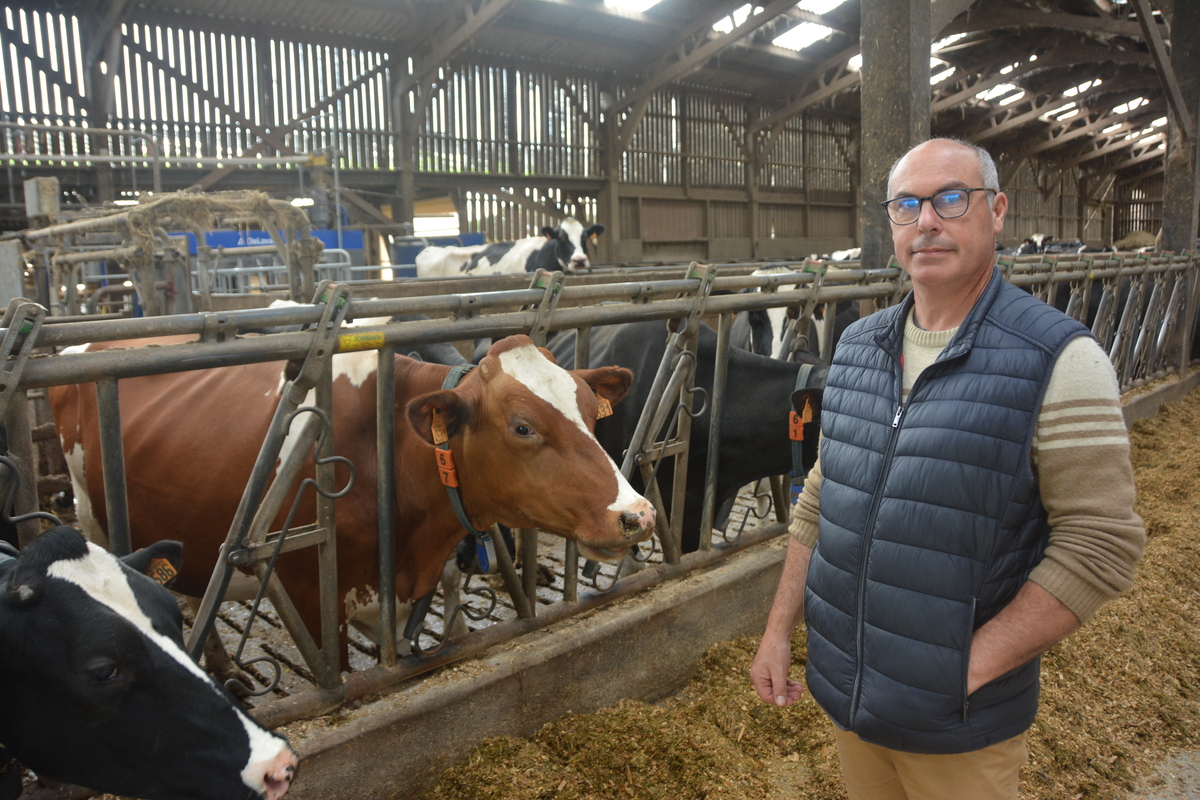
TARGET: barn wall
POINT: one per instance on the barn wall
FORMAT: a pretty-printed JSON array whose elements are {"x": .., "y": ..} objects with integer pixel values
[
  {"x": 516, "y": 146},
  {"x": 1139, "y": 207}
]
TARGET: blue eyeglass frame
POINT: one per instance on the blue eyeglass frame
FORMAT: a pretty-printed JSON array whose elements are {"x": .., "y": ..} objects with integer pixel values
[{"x": 921, "y": 203}]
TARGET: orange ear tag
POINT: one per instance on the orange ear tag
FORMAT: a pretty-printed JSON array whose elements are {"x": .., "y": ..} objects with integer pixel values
[
  {"x": 603, "y": 407},
  {"x": 438, "y": 429},
  {"x": 446, "y": 470},
  {"x": 162, "y": 571},
  {"x": 796, "y": 422},
  {"x": 795, "y": 427}
]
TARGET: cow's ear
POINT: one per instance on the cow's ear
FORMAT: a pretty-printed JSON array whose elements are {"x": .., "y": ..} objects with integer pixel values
[
  {"x": 594, "y": 230},
  {"x": 611, "y": 383},
  {"x": 161, "y": 561},
  {"x": 549, "y": 356},
  {"x": 453, "y": 412},
  {"x": 807, "y": 403},
  {"x": 793, "y": 312},
  {"x": 547, "y": 231},
  {"x": 25, "y": 586}
]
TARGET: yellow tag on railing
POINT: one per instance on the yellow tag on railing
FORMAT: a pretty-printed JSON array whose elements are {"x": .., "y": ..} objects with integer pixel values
[{"x": 348, "y": 342}]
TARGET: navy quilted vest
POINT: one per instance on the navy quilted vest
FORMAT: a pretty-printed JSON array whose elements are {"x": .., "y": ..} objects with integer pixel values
[{"x": 930, "y": 522}]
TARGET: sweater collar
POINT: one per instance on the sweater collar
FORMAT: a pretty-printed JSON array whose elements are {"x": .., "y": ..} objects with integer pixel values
[{"x": 891, "y": 337}]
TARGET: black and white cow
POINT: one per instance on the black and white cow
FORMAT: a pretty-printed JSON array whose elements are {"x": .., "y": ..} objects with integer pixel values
[
  {"x": 762, "y": 330},
  {"x": 97, "y": 689},
  {"x": 562, "y": 248},
  {"x": 754, "y": 422}
]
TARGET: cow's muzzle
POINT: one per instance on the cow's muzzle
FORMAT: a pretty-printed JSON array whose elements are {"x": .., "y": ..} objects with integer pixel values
[{"x": 638, "y": 523}]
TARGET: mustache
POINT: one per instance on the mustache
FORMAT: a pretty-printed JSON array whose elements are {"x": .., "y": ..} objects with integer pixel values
[{"x": 923, "y": 242}]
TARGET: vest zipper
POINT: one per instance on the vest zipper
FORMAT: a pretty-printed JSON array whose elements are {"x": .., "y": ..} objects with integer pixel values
[{"x": 868, "y": 534}]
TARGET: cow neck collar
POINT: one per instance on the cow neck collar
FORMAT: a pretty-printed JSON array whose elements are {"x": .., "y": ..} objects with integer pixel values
[
  {"x": 484, "y": 549},
  {"x": 796, "y": 423}
]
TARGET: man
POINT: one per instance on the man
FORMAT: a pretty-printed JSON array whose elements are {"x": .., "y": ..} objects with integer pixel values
[{"x": 972, "y": 505}]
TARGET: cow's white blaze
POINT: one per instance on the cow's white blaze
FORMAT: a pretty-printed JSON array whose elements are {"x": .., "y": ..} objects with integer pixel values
[
  {"x": 99, "y": 574},
  {"x": 555, "y": 385},
  {"x": 574, "y": 230}
]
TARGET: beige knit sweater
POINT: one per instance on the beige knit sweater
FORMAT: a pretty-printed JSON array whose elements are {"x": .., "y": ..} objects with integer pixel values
[{"x": 1081, "y": 460}]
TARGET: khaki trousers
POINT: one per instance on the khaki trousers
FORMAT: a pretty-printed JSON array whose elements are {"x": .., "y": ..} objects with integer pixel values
[{"x": 872, "y": 772}]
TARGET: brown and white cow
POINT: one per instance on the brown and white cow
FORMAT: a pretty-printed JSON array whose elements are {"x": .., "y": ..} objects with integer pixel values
[{"x": 521, "y": 432}]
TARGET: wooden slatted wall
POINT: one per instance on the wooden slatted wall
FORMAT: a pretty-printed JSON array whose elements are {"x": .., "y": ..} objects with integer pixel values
[
  {"x": 198, "y": 93},
  {"x": 1139, "y": 207}
]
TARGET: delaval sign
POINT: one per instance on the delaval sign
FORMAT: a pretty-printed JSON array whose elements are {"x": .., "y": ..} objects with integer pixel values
[{"x": 230, "y": 240}]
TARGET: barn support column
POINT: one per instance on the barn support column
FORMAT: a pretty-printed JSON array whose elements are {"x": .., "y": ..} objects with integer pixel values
[
  {"x": 609, "y": 207},
  {"x": 404, "y": 126},
  {"x": 895, "y": 106},
  {"x": 1181, "y": 189},
  {"x": 1181, "y": 179}
]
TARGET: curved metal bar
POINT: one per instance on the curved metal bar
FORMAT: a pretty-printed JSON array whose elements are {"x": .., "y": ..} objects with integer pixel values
[
  {"x": 750, "y": 511},
  {"x": 287, "y": 525},
  {"x": 6, "y": 511},
  {"x": 466, "y": 610}
]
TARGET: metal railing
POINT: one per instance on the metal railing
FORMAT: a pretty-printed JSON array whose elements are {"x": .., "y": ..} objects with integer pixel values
[{"x": 1144, "y": 315}]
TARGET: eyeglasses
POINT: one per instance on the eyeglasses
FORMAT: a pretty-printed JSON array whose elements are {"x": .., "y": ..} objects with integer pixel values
[{"x": 948, "y": 203}]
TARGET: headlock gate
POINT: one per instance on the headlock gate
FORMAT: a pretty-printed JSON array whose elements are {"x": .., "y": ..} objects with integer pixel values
[{"x": 1142, "y": 308}]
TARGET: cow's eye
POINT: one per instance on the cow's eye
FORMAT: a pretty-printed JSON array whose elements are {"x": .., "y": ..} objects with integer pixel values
[
  {"x": 522, "y": 430},
  {"x": 102, "y": 670}
]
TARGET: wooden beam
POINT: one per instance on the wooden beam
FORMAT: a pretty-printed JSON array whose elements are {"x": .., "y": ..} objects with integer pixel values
[
  {"x": 276, "y": 138},
  {"x": 1166, "y": 73},
  {"x": 1145, "y": 156},
  {"x": 689, "y": 61},
  {"x": 105, "y": 23},
  {"x": 1017, "y": 119},
  {"x": 943, "y": 12},
  {"x": 1109, "y": 149},
  {"x": 450, "y": 43},
  {"x": 825, "y": 87},
  {"x": 1102, "y": 121},
  {"x": 983, "y": 84},
  {"x": 991, "y": 16},
  {"x": 263, "y": 31}
]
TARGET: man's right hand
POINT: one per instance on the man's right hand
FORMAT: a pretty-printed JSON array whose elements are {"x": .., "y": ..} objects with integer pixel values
[{"x": 769, "y": 672}]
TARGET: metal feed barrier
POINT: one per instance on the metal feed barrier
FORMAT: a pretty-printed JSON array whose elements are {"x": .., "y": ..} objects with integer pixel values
[{"x": 1144, "y": 316}]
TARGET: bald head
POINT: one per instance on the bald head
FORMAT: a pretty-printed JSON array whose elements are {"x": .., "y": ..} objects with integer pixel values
[{"x": 989, "y": 178}]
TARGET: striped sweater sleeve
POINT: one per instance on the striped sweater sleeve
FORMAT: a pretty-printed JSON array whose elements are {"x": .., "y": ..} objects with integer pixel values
[{"x": 1081, "y": 459}]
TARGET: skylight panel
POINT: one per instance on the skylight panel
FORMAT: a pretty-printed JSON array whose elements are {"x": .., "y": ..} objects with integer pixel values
[
  {"x": 1083, "y": 87},
  {"x": 1064, "y": 112},
  {"x": 632, "y": 5},
  {"x": 819, "y": 6},
  {"x": 802, "y": 36},
  {"x": 942, "y": 44},
  {"x": 1136, "y": 102},
  {"x": 939, "y": 69},
  {"x": 1000, "y": 90},
  {"x": 728, "y": 23},
  {"x": 807, "y": 33}
]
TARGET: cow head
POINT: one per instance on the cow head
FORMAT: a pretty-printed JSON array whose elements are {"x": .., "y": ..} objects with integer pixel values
[
  {"x": 570, "y": 243},
  {"x": 521, "y": 430},
  {"x": 100, "y": 692}
]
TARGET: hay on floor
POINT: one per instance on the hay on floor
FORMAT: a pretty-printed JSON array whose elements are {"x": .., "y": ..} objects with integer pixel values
[{"x": 1117, "y": 696}]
